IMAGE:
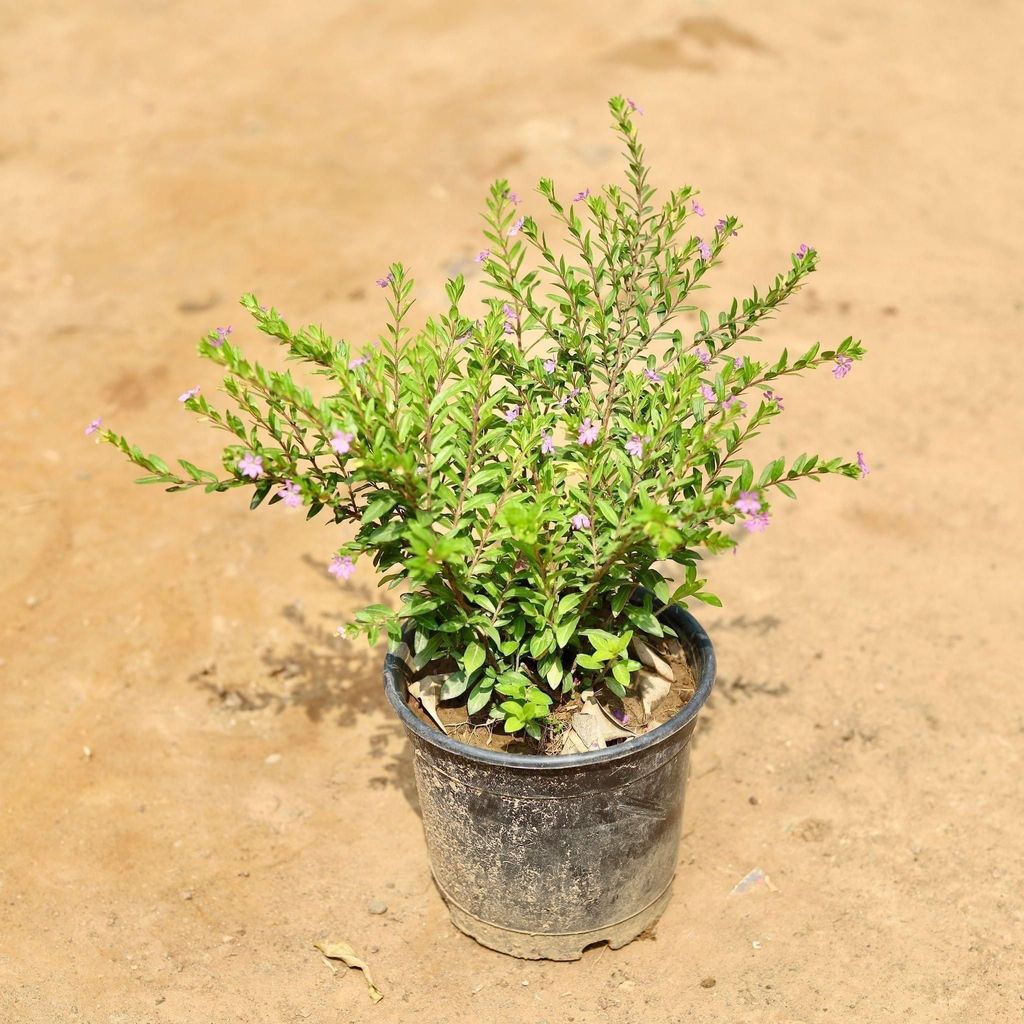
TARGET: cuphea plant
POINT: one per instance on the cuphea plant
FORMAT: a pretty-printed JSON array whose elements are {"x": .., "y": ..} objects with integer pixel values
[{"x": 523, "y": 475}]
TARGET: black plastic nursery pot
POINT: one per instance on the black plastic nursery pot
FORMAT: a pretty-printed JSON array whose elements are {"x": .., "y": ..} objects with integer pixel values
[{"x": 540, "y": 857}]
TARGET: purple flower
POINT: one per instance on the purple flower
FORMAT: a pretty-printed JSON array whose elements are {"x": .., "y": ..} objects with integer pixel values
[
  {"x": 547, "y": 444},
  {"x": 634, "y": 106},
  {"x": 757, "y": 523},
  {"x": 772, "y": 396},
  {"x": 517, "y": 227},
  {"x": 653, "y": 376},
  {"x": 221, "y": 336},
  {"x": 704, "y": 249},
  {"x": 698, "y": 209},
  {"x": 383, "y": 282},
  {"x": 635, "y": 445},
  {"x": 843, "y": 366},
  {"x": 251, "y": 465},
  {"x": 341, "y": 568},
  {"x": 549, "y": 365},
  {"x": 738, "y": 363},
  {"x": 707, "y": 392},
  {"x": 588, "y": 432},
  {"x": 703, "y": 355},
  {"x": 513, "y": 198},
  {"x": 748, "y": 502},
  {"x": 290, "y": 494},
  {"x": 731, "y": 401},
  {"x": 565, "y": 399},
  {"x": 341, "y": 442},
  {"x": 191, "y": 393},
  {"x": 483, "y": 254},
  {"x": 803, "y": 250},
  {"x": 720, "y": 225},
  {"x": 580, "y": 196},
  {"x": 511, "y": 414},
  {"x": 580, "y": 521},
  {"x": 511, "y": 318},
  {"x": 357, "y": 361},
  {"x": 862, "y": 465},
  {"x": 619, "y": 714},
  {"x": 93, "y": 426}
]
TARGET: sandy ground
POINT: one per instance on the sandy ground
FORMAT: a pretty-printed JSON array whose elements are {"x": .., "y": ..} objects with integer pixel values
[{"x": 197, "y": 782}]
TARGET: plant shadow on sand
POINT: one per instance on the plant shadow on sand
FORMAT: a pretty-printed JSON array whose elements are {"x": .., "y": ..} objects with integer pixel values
[
  {"x": 333, "y": 680},
  {"x": 733, "y": 689}
]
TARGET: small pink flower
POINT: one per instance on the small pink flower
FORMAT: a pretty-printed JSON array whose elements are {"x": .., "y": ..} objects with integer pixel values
[
  {"x": 93, "y": 426},
  {"x": 803, "y": 251},
  {"x": 707, "y": 392},
  {"x": 221, "y": 336},
  {"x": 511, "y": 414},
  {"x": 703, "y": 355},
  {"x": 517, "y": 227},
  {"x": 191, "y": 393},
  {"x": 635, "y": 445},
  {"x": 251, "y": 465},
  {"x": 513, "y": 198},
  {"x": 731, "y": 401},
  {"x": 634, "y": 106},
  {"x": 843, "y": 366},
  {"x": 357, "y": 361},
  {"x": 482, "y": 256},
  {"x": 704, "y": 249},
  {"x": 341, "y": 442},
  {"x": 549, "y": 365},
  {"x": 383, "y": 282},
  {"x": 757, "y": 523},
  {"x": 580, "y": 196},
  {"x": 862, "y": 465},
  {"x": 748, "y": 503},
  {"x": 580, "y": 521},
  {"x": 341, "y": 568},
  {"x": 653, "y": 376},
  {"x": 290, "y": 494},
  {"x": 773, "y": 396},
  {"x": 547, "y": 444},
  {"x": 588, "y": 432},
  {"x": 698, "y": 209}
]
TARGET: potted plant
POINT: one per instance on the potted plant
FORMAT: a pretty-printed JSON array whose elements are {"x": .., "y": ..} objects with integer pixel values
[{"x": 539, "y": 481}]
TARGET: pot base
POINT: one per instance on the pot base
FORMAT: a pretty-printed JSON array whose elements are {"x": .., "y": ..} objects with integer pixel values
[{"x": 555, "y": 946}]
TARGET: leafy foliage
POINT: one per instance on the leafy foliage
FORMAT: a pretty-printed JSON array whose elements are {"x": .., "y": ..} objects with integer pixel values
[{"x": 524, "y": 476}]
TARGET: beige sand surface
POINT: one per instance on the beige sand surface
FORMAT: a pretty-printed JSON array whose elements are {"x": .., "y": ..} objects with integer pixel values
[{"x": 246, "y": 791}]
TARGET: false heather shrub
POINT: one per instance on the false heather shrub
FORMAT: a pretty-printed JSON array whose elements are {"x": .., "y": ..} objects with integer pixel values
[{"x": 528, "y": 476}]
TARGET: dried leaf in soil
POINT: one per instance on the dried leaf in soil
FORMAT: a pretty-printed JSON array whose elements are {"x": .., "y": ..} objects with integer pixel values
[
  {"x": 649, "y": 657},
  {"x": 591, "y": 728},
  {"x": 428, "y": 692},
  {"x": 652, "y": 689},
  {"x": 347, "y": 955}
]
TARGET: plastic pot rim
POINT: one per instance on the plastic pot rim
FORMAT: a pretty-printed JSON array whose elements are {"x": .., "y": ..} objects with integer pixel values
[{"x": 690, "y": 633}]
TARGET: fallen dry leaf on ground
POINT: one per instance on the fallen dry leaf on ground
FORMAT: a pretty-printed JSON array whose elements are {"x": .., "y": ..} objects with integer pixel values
[{"x": 347, "y": 955}]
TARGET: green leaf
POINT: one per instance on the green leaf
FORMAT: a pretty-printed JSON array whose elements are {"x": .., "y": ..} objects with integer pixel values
[
  {"x": 566, "y": 630},
  {"x": 472, "y": 658},
  {"x": 454, "y": 686},
  {"x": 644, "y": 620},
  {"x": 479, "y": 696}
]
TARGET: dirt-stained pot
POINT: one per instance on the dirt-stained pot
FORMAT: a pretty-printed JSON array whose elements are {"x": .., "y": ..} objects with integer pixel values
[{"x": 541, "y": 857}]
